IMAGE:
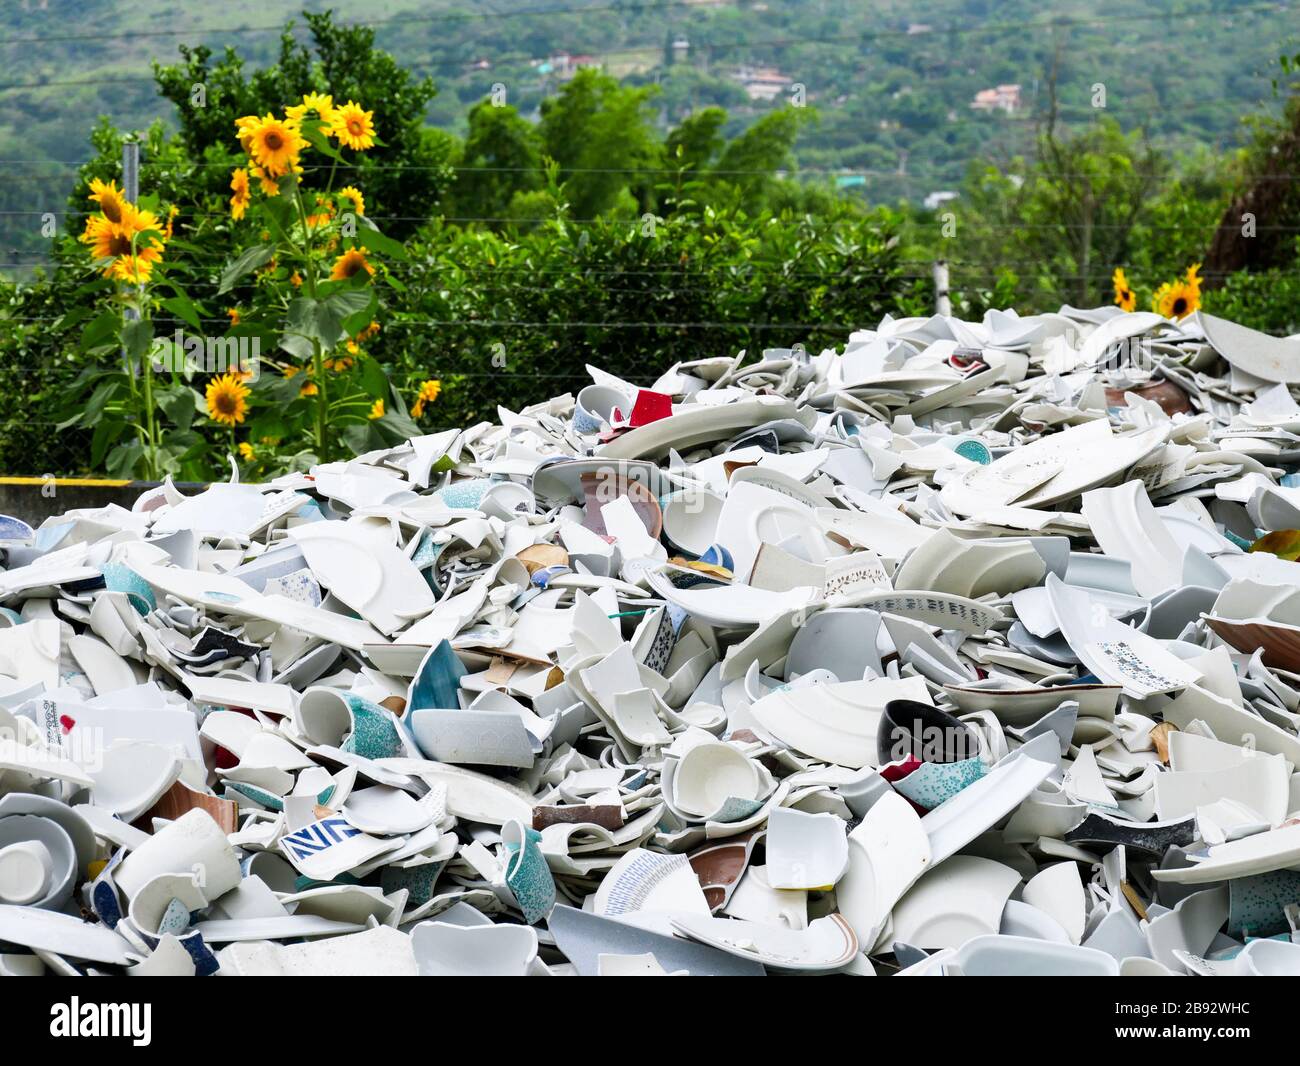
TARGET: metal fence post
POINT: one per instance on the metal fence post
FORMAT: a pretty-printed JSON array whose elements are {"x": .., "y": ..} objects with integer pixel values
[{"x": 942, "y": 303}]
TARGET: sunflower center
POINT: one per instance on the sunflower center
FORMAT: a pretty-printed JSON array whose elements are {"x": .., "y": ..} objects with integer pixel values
[
  {"x": 120, "y": 244},
  {"x": 274, "y": 141},
  {"x": 350, "y": 267},
  {"x": 225, "y": 402},
  {"x": 355, "y": 127},
  {"x": 1180, "y": 307},
  {"x": 112, "y": 210}
]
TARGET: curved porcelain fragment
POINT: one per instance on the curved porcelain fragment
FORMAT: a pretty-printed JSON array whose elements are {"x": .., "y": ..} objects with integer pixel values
[
  {"x": 1259, "y": 354},
  {"x": 826, "y": 944},
  {"x": 888, "y": 851},
  {"x": 1058, "y": 891},
  {"x": 1015, "y": 956},
  {"x": 953, "y": 902},
  {"x": 835, "y": 723},
  {"x": 1125, "y": 524},
  {"x": 974, "y": 809},
  {"x": 971, "y": 568},
  {"x": 360, "y": 565}
]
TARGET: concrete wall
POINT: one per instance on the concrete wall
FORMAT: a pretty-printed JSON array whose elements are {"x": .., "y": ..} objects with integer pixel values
[{"x": 34, "y": 500}]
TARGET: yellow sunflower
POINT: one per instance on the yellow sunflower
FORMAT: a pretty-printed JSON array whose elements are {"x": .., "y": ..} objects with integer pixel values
[
  {"x": 1176, "y": 300},
  {"x": 244, "y": 128},
  {"x": 245, "y": 451},
  {"x": 349, "y": 264},
  {"x": 133, "y": 255},
  {"x": 429, "y": 391},
  {"x": 110, "y": 198},
  {"x": 134, "y": 269},
  {"x": 369, "y": 331},
  {"x": 172, "y": 212},
  {"x": 239, "y": 202},
  {"x": 308, "y": 388},
  {"x": 295, "y": 279},
  {"x": 1124, "y": 294},
  {"x": 351, "y": 192},
  {"x": 233, "y": 312},
  {"x": 1193, "y": 277},
  {"x": 377, "y": 409},
  {"x": 269, "y": 187},
  {"x": 106, "y": 238},
  {"x": 321, "y": 103},
  {"x": 274, "y": 145},
  {"x": 353, "y": 127},
  {"x": 227, "y": 398}
]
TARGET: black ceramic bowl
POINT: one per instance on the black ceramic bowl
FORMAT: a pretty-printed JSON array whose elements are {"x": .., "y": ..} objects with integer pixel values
[{"x": 908, "y": 727}]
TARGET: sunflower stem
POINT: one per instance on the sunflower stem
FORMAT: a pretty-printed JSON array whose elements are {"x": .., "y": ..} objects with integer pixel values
[
  {"x": 150, "y": 421},
  {"x": 146, "y": 366},
  {"x": 317, "y": 353}
]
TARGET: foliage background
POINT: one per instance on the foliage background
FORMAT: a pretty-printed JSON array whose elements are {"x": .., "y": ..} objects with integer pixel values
[{"x": 651, "y": 214}]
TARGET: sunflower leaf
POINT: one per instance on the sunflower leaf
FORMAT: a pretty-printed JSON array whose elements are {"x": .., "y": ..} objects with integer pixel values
[
  {"x": 100, "y": 331},
  {"x": 137, "y": 338},
  {"x": 106, "y": 433},
  {"x": 249, "y": 260},
  {"x": 178, "y": 405},
  {"x": 183, "y": 308},
  {"x": 372, "y": 240},
  {"x": 122, "y": 460},
  {"x": 317, "y": 140}
]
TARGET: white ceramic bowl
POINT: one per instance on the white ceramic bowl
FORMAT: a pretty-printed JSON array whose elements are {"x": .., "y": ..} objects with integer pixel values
[{"x": 709, "y": 774}]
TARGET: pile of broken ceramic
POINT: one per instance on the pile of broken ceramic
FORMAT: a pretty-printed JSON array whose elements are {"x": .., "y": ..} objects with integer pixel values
[{"x": 972, "y": 649}]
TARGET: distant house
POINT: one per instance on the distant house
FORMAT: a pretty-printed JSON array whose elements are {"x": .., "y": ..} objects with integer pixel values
[
  {"x": 1002, "y": 98},
  {"x": 762, "y": 83},
  {"x": 565, "y": 65},
  {"x": 935, "y": 199}
]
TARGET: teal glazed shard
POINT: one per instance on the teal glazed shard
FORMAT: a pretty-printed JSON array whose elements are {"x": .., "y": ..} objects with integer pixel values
[
  {"x": 974, "y": 451},
  {"x": 437, "y": 681},
  {"x": 1257, "y": 904},
  {"x": 119, "y": 578},
  {"x": 527, "y": 872},
  {"x": 418, "y": 880},
  {"x": 374, "y": 734},
  {"x": 934, "y": 783},
  {"x": 465, "y": 495}
]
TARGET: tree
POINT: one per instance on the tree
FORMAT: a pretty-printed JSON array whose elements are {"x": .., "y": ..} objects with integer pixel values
[
  {"x": 695, "y": 142},
  {"x": 1091, "y": 190},
  {"x": 601, "y": 134},
  {"x": 1258, "y": 228},
  {"x": 1067, "y": 219},
  {"x": 750, "y": 160},
  {"x": 501, "y": 158}
]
